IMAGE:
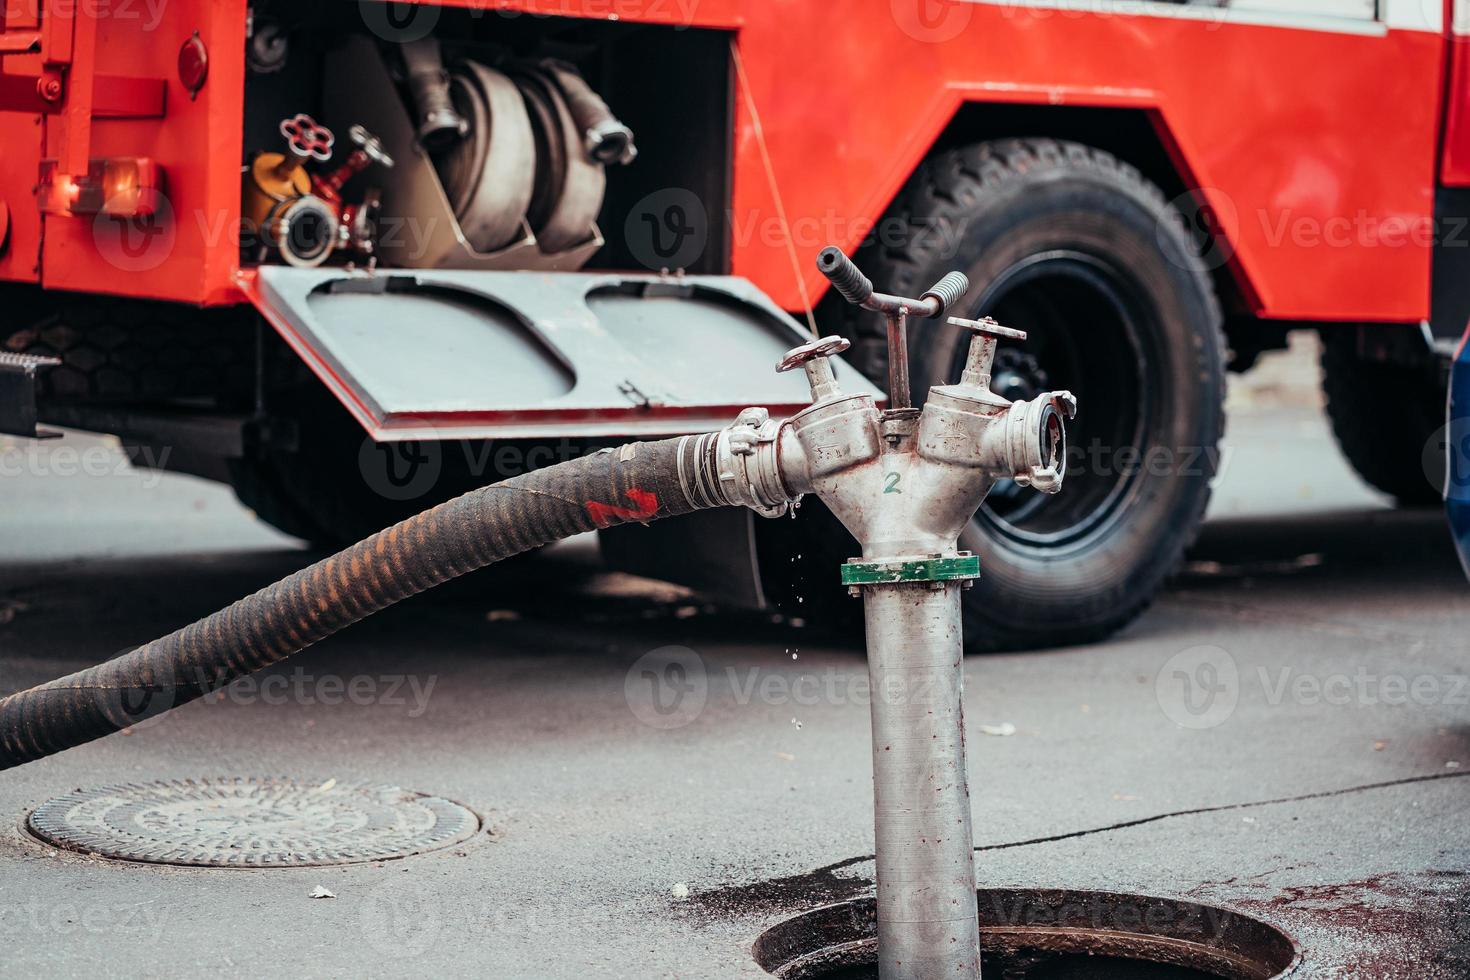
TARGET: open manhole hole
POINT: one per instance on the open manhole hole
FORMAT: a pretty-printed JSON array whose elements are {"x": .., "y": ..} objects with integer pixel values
[
  {"x": 1044, "y": 934},
  {"x": 251, "y": 823}
]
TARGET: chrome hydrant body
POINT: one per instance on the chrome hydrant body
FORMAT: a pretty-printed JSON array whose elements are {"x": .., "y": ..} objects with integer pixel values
[{"x": 905, "y": 482}]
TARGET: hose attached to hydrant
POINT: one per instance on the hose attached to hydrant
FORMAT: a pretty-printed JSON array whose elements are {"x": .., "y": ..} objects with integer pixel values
[
  {"x": 904, "y": 481},
  {"x": 637, "y": 482}
]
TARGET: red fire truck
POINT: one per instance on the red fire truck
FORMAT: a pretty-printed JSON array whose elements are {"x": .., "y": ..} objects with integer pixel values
[{"x": 353, "y": 258}]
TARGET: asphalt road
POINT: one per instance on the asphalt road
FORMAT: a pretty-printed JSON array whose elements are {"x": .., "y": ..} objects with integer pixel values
[{"x": 1323, "y": 788}]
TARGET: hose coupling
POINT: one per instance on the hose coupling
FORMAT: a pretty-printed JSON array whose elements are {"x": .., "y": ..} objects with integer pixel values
[
  {"x": 440, "y": 124},
  {"x": 1036, "y": 435},
  {"x": 736, "y": 466}
]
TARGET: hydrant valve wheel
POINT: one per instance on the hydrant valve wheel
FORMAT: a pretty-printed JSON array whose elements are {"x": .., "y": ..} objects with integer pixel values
[
  {"x": 825, "y": 347},
  {"x": 306, "y": 138},
  {"x": 370, "y": 145},
  {"x": 988, "y": 327}
]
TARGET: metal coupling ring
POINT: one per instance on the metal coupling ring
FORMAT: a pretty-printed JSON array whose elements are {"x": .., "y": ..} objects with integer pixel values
[
  {"x": 959, "y": 567},
  {"x": 746, "y": 461}
]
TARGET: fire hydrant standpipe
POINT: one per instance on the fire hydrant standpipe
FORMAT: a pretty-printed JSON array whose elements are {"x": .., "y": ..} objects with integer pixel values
[
  {"x": 906, "y": 486},
  {"x": 903, "y": 481}
]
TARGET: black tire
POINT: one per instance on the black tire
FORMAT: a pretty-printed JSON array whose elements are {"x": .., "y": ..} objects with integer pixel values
[
  {"x": 1067, "y": 242},
  {"x": 257, "y": 486},
  {"x": 1384, "y": 415},
  {"x": 337, "y": 486},
  {"x": 124, "y": 351}
]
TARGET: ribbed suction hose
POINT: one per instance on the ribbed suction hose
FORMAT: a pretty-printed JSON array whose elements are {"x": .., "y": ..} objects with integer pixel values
[{"x": 637, "y": 482}]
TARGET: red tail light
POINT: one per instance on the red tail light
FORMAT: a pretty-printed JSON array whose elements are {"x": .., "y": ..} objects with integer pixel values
[{"x": 126, "y": 187}]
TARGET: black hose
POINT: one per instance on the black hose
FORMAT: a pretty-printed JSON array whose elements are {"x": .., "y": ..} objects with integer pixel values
[{"x": 638, "y": 482}]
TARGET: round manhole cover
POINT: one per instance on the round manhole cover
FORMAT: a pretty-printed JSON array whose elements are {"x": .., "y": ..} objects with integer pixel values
[{"x": 251, "y": 823}]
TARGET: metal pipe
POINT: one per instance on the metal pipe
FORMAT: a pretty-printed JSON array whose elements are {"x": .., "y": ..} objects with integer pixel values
[
  {"x": 900, "y": 395},
  {"x": 921, "y": 800}
]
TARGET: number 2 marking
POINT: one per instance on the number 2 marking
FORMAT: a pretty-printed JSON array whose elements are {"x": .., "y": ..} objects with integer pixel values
[{"x": 892, "y": 485}]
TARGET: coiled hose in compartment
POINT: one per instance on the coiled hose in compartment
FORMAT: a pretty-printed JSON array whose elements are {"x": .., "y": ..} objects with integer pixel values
[{"x": 637, "y": 482}]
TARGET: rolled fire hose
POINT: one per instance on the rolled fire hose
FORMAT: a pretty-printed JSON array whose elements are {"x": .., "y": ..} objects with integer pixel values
[
  {"x": 569, "y": 183},
  {"x": 534, "y": 147},
  {"x": 489, "y": 175},
  {"x": 637, "y": 482}
]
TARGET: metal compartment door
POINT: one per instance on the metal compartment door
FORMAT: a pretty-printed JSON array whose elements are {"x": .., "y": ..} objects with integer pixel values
[{"x": 492, "y": 355}]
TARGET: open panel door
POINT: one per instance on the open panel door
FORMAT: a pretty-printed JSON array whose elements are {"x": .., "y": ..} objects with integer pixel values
[{"x": 494, "y": 355}]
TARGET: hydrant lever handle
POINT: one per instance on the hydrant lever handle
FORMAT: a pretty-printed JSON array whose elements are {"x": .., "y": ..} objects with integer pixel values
[
  {"x": 857, "y": 289},
  {"x": 947, "y": 291},
  {"x": 846, "y": 278}
]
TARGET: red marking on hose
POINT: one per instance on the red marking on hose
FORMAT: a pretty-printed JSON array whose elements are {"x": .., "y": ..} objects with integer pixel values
[{"x": 645, "y": 507}]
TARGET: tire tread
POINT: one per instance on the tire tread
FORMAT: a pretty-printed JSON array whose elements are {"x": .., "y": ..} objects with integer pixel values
[{"x": 957, "y": 181}]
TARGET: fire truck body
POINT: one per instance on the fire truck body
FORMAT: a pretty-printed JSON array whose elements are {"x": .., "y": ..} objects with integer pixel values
[
  {"x": 1298, "y": 130},
  {"x": 1167, "y": 169}
]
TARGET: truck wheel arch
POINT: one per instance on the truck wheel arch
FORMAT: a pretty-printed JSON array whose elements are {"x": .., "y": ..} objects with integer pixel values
[{"x": 1139, "y": 136}]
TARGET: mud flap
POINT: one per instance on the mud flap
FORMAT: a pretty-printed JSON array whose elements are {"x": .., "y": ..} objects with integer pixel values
[{"x": 436, "y": 354}]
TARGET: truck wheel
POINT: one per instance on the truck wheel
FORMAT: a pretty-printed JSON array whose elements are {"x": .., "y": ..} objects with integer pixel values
[
  {"x": 256, "y": 486},
  {"x": 116, "y": 350},
  {"x": 1077, "y": 248},
  {"x": 1383, "y": 416},
  {"x": 323, "y": 490}
]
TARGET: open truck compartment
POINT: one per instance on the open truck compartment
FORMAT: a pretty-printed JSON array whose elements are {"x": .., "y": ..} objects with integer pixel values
[
  {"x": 494, "y": 333},
  {"x": 486, "y": 122}
]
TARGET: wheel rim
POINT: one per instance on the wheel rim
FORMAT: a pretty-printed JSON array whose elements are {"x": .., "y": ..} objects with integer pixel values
[{"x": 1087, "y": 324}]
